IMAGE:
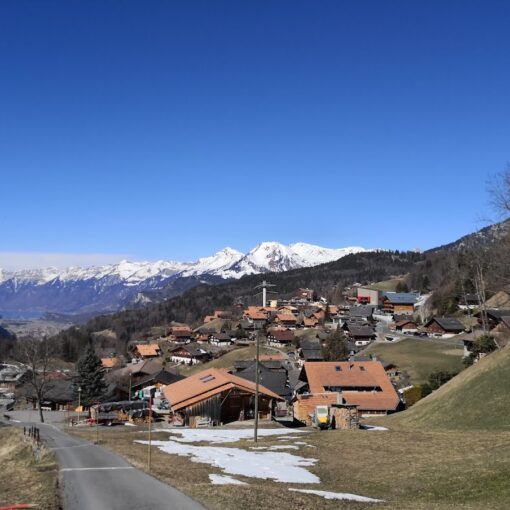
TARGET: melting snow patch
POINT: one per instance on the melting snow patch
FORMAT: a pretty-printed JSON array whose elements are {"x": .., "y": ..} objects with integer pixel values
[
  {"x": 338, "y": 495},
  {"x": 225, "y": 480},
  {"x": 128, "y": 424},
  {"x": 284, "y": 447},
  {"x": 224, "y": 435},
  {"x": 373, "y": 427},
  {"x": 278, "y": 466}
]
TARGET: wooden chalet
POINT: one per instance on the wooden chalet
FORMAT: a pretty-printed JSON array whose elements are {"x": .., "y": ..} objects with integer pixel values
[
  {"x": 280, "y": 337},
  {"x": 444, "y": 326},
  {"x": 399, "y": 302},
  {"x": 189, "y": 354},
  {"x": 286, "y": 319},
  {"x": 146, "y": 351},
  {"x": 215, "y": 397},
  {"x": 364, "y": 384},
  {"x": 221, "y": 339},
  {"x": 406, "y": 326}
]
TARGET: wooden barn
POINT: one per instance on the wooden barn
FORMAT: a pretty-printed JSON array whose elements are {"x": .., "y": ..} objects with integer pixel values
[{"x": 215, "y": 397}]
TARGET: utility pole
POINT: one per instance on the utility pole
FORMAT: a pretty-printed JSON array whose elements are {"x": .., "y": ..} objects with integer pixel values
[
  {"x": 130, "y": 386},
  {"x": 256, "y": 423},
  {"x": 79, "y": 404},
  {"x": 150, "y": 435}
]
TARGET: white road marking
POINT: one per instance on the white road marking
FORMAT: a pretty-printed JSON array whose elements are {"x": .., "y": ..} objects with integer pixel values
[
  {"x": 66, "y": 447},
  {"x": 97, "y": 468}
]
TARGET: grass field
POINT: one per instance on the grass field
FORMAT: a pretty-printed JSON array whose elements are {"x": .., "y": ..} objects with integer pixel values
[
  {"x": 22, "y": 480},
  {"x": 477, "y": 399},
  {"x": 419, "y": 358},
  {"x": 409, "y": 469}
]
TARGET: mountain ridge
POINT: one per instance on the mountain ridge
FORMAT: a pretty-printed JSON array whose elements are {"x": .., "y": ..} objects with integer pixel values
[{"x": 115, "y": 286}]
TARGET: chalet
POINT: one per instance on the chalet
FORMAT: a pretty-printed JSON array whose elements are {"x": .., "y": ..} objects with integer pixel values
[
  {"x": 181, "y": 336},
  {"x": 286, "y": 319},
  {"x": 361, "y": 335},
  {"x": 146, "y": 351},
  {"x": 310, "y": 322},
  {"x": 58, "y": 395},
  {"x": 256, "y": 316},
  {"x": 189, "y": 354},
  {"x": 220, "y": 339},
  {"x": 110, "y": 363},
  {"x": 157, "y": 379},
  {"x": 280, "y": 337},
  {"x": 275, "y": 379},
  {"x": 399, "y": 302},
  {"x": 310, "y": 350},
  {"x": 364, "y": 312},
  {"x": 444, "y": 326},
  {"x": 306, "y": 295},
  {"x": 361, "y": 383},
  {"x": 469, "y": 302},
  {"x": 406, "y": 326},
  {"x": 494, "y": 316},
  {"x": 392, "y": 372},
  {"x": 215, "y": 397},
  {"x": 12, "y": 376}
]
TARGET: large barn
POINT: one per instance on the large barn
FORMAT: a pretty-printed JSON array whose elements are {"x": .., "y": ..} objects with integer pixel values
[{"x": 217, "y": 396}]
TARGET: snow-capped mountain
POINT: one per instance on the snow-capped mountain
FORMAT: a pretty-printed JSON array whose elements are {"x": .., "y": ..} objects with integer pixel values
[{"x": 111, "y": 287}]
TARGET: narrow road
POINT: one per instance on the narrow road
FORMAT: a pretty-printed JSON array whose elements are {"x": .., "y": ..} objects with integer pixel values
[{"x": 96, "y": 479}]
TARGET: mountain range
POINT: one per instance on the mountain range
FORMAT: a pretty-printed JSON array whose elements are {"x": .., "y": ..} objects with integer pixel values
[{"x": 78, "y": 290}]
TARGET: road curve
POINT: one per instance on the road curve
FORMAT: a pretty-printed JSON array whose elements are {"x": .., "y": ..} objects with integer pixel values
[{"x": 97, "y": 479}]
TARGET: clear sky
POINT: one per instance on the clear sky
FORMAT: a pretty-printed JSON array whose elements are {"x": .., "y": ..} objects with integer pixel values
[{"x": 172, "y": 129}]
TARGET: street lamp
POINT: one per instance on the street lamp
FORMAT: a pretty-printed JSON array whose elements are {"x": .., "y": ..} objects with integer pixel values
[{"x": 79, "y": 404}]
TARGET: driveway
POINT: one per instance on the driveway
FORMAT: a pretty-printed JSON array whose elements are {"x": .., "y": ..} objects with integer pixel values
[{"x": 96, "y": 479}]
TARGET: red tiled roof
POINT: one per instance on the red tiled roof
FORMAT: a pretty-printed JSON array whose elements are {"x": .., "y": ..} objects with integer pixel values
[{"x": 354, "y": 374}]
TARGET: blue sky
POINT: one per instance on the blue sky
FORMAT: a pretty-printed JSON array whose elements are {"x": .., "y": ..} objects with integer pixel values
[{"x": 172, "y": 129}]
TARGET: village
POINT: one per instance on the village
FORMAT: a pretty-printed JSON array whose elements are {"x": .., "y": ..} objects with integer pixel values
[{"x": 288, "y": 360}]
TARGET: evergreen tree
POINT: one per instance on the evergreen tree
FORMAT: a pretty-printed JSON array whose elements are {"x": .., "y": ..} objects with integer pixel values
[
  {"x": 336, "y": 347},
  {"x": 90, "y": 378}
]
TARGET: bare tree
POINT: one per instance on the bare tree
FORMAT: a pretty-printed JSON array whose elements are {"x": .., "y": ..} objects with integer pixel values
[
  {"x": 36, "y": 355},
  {"x": 499, "y": 192}
]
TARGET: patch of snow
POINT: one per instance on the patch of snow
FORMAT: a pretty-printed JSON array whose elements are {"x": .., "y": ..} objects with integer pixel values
[
  {"x": 127, "y": 424},
  {"x": 338, "y": 495},
  {"x": 225, "y": 480},
  {"x": 216, "y": 436},
  {"x": 277, "y": 466},
  {"x": 373, "y": 427},
  {"x": 284, "y": 447}
]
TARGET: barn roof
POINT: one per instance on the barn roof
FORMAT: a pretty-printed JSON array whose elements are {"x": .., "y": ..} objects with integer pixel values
[{"x": 206, "y": 384}]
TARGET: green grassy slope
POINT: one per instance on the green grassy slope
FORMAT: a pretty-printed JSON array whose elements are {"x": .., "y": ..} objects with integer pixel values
[
  {"x": 477, "y": 399},
  {"x": 419, "y": 358}
]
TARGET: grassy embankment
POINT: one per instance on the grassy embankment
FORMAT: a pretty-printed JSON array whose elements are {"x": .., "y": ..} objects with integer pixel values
[
  {"x": 22, "y": 480},
  {"x": 419, "y": 358}
]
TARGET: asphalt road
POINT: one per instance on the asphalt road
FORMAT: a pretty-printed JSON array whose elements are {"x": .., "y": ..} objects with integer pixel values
[{"x": 97, "y": 479}]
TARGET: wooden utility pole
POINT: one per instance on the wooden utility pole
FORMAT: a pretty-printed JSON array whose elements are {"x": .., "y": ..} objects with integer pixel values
[
  {"x": 150, "y": 435},
  {"x": 256, "y": 423}
]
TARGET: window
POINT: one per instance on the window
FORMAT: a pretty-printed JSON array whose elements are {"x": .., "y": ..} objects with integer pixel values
[
  {"x": 338, "y": 368},
  {"x": 207, "y": 378},
  {"x": 362, "y": 368}
]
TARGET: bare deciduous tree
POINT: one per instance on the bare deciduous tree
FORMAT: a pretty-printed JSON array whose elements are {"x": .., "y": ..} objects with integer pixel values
[
  {"x": 36, "y": 355},
  {"x": 499, "y": 192}
]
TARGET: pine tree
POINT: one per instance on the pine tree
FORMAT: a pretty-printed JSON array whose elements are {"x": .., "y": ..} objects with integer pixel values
[{"x": 90, "y": 378}]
